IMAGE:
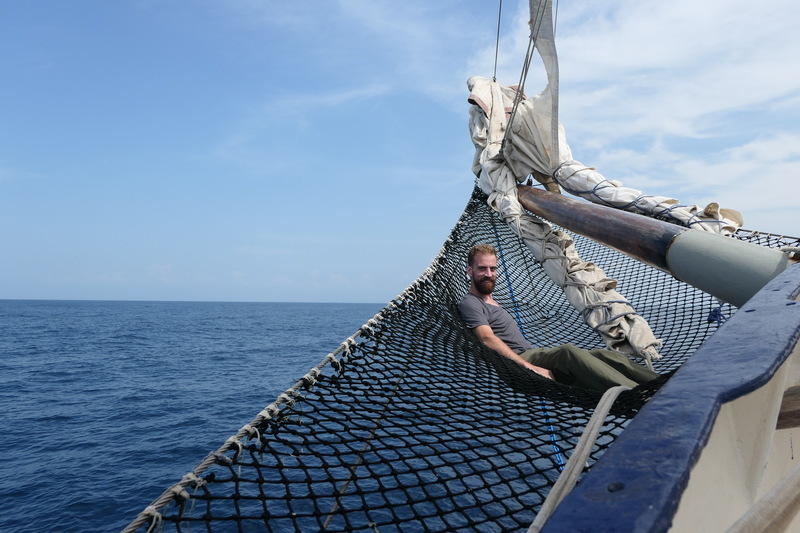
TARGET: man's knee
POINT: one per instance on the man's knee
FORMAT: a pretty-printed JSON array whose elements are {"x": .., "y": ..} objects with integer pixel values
[
  {"x": 568, "y": 352},
  {"x": 571, "y": 351}
]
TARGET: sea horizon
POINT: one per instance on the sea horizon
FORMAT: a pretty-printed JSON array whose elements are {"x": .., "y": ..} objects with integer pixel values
[{"x": 188, "y": 301}]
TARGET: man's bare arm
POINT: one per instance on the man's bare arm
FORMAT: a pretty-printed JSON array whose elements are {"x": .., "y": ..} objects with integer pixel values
[{"x": 493, "y": 342}]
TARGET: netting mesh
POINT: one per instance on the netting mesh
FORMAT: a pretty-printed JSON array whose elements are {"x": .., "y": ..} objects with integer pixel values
[{"x": 420, "y": 428}]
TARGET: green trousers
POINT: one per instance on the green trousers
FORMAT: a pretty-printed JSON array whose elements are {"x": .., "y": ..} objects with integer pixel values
[{"x": 597, "y": 369}]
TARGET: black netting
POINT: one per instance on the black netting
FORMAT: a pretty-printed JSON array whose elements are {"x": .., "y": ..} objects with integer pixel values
[{"x": 420, "y": 428}]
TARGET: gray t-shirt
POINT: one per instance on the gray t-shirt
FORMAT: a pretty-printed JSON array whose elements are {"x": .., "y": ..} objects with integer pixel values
[{"x": 475, "y": 312}]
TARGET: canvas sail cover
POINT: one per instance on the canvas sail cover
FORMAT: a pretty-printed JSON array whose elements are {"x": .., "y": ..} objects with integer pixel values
[{"x": 529, "y": 150}]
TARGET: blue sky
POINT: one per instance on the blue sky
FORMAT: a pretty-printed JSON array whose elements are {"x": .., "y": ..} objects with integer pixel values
[{"x": 249, "y": 150}]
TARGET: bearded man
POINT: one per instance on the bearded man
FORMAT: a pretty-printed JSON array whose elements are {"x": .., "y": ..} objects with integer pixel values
[{"x": 597, "y": 369}]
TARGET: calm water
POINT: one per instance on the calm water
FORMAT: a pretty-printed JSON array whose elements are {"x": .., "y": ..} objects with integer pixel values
[{"x": 105, "y": 404}]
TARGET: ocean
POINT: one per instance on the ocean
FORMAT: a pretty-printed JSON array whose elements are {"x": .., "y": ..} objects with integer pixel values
[{"x": 105, "y": 404}]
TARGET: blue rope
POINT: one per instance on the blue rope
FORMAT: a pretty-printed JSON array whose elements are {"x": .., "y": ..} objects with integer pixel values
[
  {"x": 508, "y": 281},
  {"x": 553, "y": 439}
]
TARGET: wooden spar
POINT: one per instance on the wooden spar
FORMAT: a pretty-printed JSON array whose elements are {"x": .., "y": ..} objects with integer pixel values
[
  {"x": 644, "y": 238},
  {"x": 730, "y": 269}
]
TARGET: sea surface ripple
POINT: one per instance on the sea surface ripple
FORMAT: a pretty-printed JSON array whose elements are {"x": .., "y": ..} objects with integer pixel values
[{"x": 106, "y": 404}]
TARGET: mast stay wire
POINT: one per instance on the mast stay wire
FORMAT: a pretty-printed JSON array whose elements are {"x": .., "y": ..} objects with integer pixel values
[
  {"x": 555, "y": 20},
  {"x": 497, "y": 41},
  {"x": 523, "y": 76}
]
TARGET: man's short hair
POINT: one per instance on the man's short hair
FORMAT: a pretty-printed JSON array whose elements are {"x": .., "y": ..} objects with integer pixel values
[{"x": 480, "y": 249}]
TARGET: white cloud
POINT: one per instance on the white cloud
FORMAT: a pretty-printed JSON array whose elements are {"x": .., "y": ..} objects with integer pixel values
[
  {"x": 297, "y": 16},
  {"x": 790, "y": 103},
  {"x": 662, "y": 67},
  {"x": 758, "y": 175},
  {"x": 673, "y": 67},
  {"x": 513, "y": 44},
  {"x": 650, "y": 91},
  {"x": 410, "y": 46},
  {"x": 428, "y": 44},
  {"x": 5, "y": 174},
  {"x": 9, "y": 174},
  {"x": 244, "y": 145},
  {"x": 757, "y": 178},
  {"x": 639, "y": 79},
  {"x": 304, "y": 104}
]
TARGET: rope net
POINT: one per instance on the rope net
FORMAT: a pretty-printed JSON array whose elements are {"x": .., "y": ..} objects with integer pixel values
[{"x": 415, "y": 426}]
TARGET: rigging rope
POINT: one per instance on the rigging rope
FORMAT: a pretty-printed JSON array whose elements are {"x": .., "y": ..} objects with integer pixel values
[
  {"x": 575, "y": 464},
  {"x": 536, "y": 24},
  {"x": 497, "y": 41},
  {"x": 555, "y": 20},
  {"x": 775, "y": 510}
]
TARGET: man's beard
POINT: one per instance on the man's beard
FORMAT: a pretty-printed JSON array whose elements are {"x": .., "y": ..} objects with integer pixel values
[{"x": 485, "y": 285}]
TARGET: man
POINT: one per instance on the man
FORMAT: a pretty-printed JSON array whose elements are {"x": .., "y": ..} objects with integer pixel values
[{"x": 597, "y": 369}]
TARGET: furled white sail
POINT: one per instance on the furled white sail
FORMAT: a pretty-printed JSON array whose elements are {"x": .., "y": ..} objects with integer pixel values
[
  {"x": 537, "y": 143},
  {"x": 585, "y": 284},
  {"x": 529, "y": 149}
]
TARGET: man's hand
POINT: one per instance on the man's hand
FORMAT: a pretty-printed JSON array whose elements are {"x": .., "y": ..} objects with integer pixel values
[
  {"x": 539, "y": 370},
  {"x": 493, "y": 342}
]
